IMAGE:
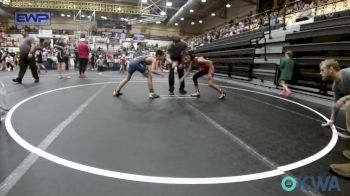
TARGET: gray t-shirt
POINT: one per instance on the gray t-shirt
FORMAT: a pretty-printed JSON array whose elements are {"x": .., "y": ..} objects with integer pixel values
[
  {"x": 26, "y": 44},
  {"x": 342, "y": 88}
]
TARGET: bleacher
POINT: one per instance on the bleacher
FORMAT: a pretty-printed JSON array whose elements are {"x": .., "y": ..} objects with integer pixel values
[
  {"x": 254, "y": 56},
  {"x": 327, "y": 38},
  {"x": 233, "y": 55}
]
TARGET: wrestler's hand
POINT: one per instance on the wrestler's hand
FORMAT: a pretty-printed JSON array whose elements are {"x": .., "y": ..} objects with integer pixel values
[
  {"x": 181, "y": 80},
  {"x": 327, "y": 124}
]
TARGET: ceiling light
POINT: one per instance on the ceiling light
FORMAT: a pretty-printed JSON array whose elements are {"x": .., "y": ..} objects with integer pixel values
[
  {"x": 144, "y": 1},
  {"x": 203, "y": 1},
  {"x": 191, "y": 10},
  {"x": 169, "y": 4},
  {"x": 140, "y": 20},
  {"x": 158, "y": 22},
  {"x": 176, "y": 24},
  {"x": 200, "y": 21},
  {"x": 62, "y": 14},
  {"x": 162, "y": 13},
  {"x": 212, "y": 14},
  {"x": 182, "y": 19},
  {"x": 83, "y": 16},
  {"x": 68, "y": 15},
  {"x": 228, "y": 5},
  {"x": 192, "y": 23},
  {"x": 119, "y": 8}
]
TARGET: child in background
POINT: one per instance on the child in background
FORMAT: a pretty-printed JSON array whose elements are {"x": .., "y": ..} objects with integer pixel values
[
  {"x": 99, "y": 64},
  {"x": 286, "y": 68}
]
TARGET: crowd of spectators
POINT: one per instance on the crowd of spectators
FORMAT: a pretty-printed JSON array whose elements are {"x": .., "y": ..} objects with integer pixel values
[
  {"x": 301, "y": 10},
  {"x": 14, "y": 29}
]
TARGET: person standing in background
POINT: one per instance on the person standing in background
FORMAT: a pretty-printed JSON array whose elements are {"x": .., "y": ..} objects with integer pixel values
[
  {"x": 26, "y": 50},
  {"x": 61, "y": 65},
  {"x": 330, "y": 70},
  {"x": 92, "y": 60},
  {"x": 286, "y": 68},
  {"x": 83, "y": 51},
  {"x": 39, "y": 60},
  {"x": 45, "y": 57},
  {"x": 66, "y": 55}
]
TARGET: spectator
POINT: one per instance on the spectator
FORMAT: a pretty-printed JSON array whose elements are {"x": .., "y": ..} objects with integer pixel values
[
  {"x": 83, "y": 50},
  {"x": 61, "y": 65},
  {"x": 9, "y": 62},
  {"x": 26, "y": 50},
  {"x": 286, "y": 68},
  {"x": 99, "y": 64},
  {"x": 330, "y": 70},
  {"x": 45, "y": 58},
  {"x": 39, "y": 60}
]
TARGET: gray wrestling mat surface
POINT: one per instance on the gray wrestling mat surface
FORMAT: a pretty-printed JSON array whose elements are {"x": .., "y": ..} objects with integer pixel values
[{"x": 99, "y": 140}]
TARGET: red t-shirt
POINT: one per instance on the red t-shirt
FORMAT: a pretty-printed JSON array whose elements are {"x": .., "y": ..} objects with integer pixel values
[{"x": 83, "y": 50}]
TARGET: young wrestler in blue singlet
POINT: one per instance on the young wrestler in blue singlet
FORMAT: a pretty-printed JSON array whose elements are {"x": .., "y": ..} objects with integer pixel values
[{"x": 146, "y": 66}]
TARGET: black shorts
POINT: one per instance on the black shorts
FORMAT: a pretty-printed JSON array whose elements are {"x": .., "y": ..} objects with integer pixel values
[
  {"x": 60, "y": 60},
  {"x": 60, "y": 57},
  {"x": 178, "y": 59}
]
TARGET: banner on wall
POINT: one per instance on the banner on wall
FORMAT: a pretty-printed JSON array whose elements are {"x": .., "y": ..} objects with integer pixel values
[
  {"x": 138, "y": 37},
  {"x": 33, "y": 18},
  {"x": 107, "y": 34},
  {"x": 119, "y": 36}
]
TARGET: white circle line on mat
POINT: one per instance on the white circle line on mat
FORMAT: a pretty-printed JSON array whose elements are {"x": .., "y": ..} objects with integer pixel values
[{"x": 166, "y": 180}]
